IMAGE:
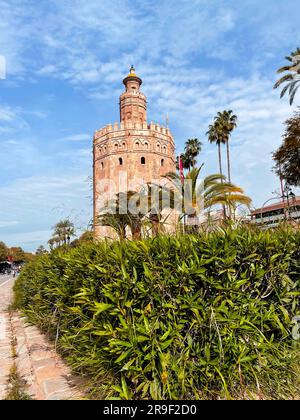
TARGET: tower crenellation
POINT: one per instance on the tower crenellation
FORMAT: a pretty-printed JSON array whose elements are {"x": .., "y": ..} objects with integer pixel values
[{"x": 141, "y": 150}]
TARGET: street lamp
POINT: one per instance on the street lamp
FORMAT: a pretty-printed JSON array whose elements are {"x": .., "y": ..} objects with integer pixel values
[
  {"x": 264, "y": 205},
  {"x": 288, "y": 194}
]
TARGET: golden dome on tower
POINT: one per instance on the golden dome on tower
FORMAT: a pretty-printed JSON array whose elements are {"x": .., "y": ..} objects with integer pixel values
[
  {"x": 132, "y": 76},
  {"x": 132, "y": 72}
]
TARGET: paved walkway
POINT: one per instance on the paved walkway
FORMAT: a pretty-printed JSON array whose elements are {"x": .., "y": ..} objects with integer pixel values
[{"x": 46, "y": 376}]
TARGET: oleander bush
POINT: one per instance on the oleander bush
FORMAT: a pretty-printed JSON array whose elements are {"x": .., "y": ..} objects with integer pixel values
[{"x": 188, "y": 317}]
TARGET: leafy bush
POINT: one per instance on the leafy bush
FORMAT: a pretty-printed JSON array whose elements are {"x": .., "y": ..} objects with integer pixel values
[{"x": 205, "y": 316}]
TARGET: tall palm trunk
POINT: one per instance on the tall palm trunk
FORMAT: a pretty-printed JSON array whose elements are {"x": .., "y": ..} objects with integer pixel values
[
  {"x": 155, "y": 221},
  {"x": 221, "y": 172},
  {"x": 229, "y": 173},
  {"x": 220, "y": 159},
  {"x": 228, "y": 161},
  {"x": 122, "y": 233},
  {"x": 136, "y": 232}
]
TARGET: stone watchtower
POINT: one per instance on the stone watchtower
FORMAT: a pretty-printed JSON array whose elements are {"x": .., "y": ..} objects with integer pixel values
[{"x": 132, "y": 152}]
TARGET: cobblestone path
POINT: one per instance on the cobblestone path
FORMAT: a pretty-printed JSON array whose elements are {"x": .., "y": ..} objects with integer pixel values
[{"x": 44, "y": 373}]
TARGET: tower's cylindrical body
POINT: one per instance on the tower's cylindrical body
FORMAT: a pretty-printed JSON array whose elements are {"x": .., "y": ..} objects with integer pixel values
[{"x": 132, "y": 153}]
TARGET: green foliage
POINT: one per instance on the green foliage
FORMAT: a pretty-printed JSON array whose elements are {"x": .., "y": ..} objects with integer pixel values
[
  {"x": 291, "y": 79},
  {"x": 19, "y": 255},
  {"x": 16, "y": 386},
  {"x": 287, "y": 157},
  {"x": 3, "y": 251},
  {"x": 188, "y": 317}
]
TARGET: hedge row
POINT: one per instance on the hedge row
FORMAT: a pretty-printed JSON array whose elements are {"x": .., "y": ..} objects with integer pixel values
[{"x": 206, "y": 316}]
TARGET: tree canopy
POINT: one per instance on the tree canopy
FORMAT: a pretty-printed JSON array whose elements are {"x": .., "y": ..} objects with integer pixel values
[
  {"x": 3, "y": 251},
  {"x": 287, "y": 157}
]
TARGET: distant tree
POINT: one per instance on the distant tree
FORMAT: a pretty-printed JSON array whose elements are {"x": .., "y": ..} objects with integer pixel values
[
  {"x": 18, "y": 254},
  {"x": 63, "y": 232},
  {"x": 51, "y": 243},
  {"x": 292, "y": 78},
  {"x": 41, "y": 250},
  {"x": 3, "y": 251},
  {"x": 287, "y": 157}
]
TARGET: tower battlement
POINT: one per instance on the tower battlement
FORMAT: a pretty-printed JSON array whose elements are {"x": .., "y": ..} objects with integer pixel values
[{"x": 111, "y": 128}]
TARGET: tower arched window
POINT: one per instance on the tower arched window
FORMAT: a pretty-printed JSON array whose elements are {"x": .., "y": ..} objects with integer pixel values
[
  {"x": 102, "y": 165},
  {"x": 137, "y": 145},
  {"x": 158, "y": 147},
  {"x": 116, "y": 146},
  {"x": 165, "y": 149},
  {"x": 124, "y": 145},
  {"x": 120, "y": 161},
  {"x": 162, "y": 162},
  {"x": 146, "y": 146},
  {"x": 143, "y": 161}
]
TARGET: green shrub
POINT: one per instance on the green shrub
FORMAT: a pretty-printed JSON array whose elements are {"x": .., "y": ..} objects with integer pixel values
[{"x": 206, "y": 316}]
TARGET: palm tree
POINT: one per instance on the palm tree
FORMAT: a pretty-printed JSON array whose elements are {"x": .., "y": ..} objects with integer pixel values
[
  {"x": 118, "y": 215},
  {"x": 192, "y": 149},
  {"x": 214, "y": 136},
  {"x": 292, "y": 78},
  {"x": 226, "y": 122},
  {"x": 117, "y": 222},
  {"x": 64, "y": 230},
  {"x": 51, "y": 243},
  {"x": 186, "y": 164},
  {"x": 195, "y": 196},
  {"x": 41, "y": 250},
  {"x": 155, "y": 202}
]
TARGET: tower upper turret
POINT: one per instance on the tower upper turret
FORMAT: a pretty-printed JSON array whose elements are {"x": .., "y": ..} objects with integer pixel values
[{"x": 133, "y": 103}]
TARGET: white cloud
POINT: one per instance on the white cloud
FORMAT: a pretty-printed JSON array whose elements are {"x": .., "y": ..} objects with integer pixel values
[
  {"x": 77, "y": 137},
  {"x": 30, "y": 240},
  {"x": 2, "y": 67},
  {"x": 6, "y": 223},
  {"x": 11, "y": 120},
  {"x": 41, "y": 201}
]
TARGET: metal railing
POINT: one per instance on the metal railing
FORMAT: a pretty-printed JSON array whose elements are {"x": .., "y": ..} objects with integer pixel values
[{"x": 269, "y": 219}]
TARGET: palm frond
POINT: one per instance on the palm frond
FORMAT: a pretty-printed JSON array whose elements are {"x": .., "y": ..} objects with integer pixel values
[{"x": 286, "y": 78}]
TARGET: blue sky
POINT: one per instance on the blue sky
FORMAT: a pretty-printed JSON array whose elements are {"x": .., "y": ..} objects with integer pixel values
[{"x": 65, "y": 61}]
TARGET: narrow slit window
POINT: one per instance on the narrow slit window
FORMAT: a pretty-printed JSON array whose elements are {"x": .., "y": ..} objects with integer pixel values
[
  {"x": 143, "y": 161},
  {"x": 120, "y": 161},
  {"x": 162, "y": 162}
]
